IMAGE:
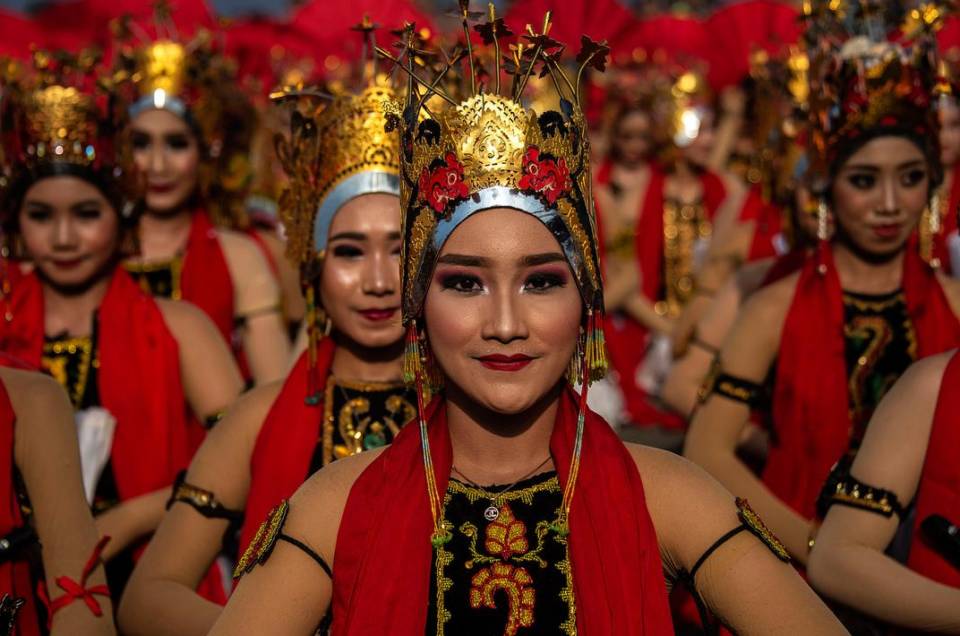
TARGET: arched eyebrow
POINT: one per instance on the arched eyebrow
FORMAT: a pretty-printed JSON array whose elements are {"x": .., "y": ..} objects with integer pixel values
[
  {"x": 479, "y": 261},
  {"x": 349, "y": 236}
]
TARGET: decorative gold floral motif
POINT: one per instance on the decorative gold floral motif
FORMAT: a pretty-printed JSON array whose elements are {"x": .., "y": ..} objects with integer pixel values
[
  {"x": 513, "y": 580},
  {"x": 354, "y": 424},
  {"x": 683, "y": 226}
]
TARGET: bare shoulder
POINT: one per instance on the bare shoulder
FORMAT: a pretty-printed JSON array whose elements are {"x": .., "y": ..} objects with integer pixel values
[
  {"x": 243, "y": 254},
  {"x": 951, "y": 287},
  {"x": 35, "y": 395},
  {"x": 247, "y": 414},
  {"x": 751, "y": 276},
  {"x": 678, "y": 491},
  {"x": 185, "y": 320},
  {"x": 317, "y": 507},
  {"x": 766, "y": 308}
]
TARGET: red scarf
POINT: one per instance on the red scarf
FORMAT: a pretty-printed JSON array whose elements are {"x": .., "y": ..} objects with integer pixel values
[
  {"x": 280, "y": 462},
  {"x": 15, "y": 578},
  {"x": 138, "y": 381},
  {"x": 383, "y": 555},
  {"x": 205, "y": 280},
  {"x": 940, "y": 249},
  {"x": 766, "y": 217},
  {"x": 810, "y": 404},
  {"x": 939, "y": 488}
]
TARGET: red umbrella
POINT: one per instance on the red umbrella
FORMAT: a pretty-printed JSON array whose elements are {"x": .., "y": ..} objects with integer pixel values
[
  {"x": 669, "y": 38},
  {"x": 739, "y": 29},
  {"x": 326, "y": 25},
  {"x": 600, "y": 19},
  {"x": 19, "y": 34}
]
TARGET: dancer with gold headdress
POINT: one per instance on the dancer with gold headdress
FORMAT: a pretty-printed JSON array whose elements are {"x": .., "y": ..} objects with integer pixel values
[
  {"x": 42, "y": 504},
  {"x": 658, "y": 203},
  {"x": 346, "y": 393},
  {"x": 188, "y": 132},
  {"x": 141, "y": 374},
  {"x": 836, "y": 335},
  {"x": 501, "y": 298}
]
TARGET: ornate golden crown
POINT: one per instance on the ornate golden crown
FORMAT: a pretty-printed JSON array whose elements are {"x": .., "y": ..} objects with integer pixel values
[
  {"x": 337, "y": 150},
  {"x": 162, "y": 67},
  {"x": 57, "y": 112},
  {"x": 861, "y": 82},
  {"x": 487, "y": 150}
]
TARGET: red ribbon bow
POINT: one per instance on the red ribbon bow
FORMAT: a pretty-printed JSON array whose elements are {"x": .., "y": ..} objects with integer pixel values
[{"x": 74, "y": 591}]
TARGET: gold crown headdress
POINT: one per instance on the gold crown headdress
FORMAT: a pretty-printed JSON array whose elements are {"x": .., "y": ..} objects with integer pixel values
[
  {"x": 338, "y": 149},
  {"x": 486, "y": 150},
  {"x": 196, "y": 82},
  {"x": 862, "y": 82}
]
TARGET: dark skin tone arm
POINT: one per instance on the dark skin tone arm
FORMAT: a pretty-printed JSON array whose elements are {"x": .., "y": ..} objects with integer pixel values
[
  {"x": 45, "y": 451},
  {"x": 160, "y": 598},
  {"x": 848, "y": 562}
]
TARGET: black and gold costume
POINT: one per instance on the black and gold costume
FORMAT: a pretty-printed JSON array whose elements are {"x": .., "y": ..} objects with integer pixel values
[
  {"x": 160, "y": 279},
  {"x": 507, "y": 576}
]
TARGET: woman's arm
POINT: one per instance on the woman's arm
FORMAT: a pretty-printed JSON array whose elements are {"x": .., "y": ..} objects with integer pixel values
[
  {"x": 257, "y": 303},
  {"x": 742, "y": 582},
  {"x": 848, "y": 561},
  {"x": 290, "y": 593},
  {"x": 45, "y": 451},
  {"x": 161, "y": 597},
  {"x": 211, "y": 380},
  {"x": 717, "y": 427}
]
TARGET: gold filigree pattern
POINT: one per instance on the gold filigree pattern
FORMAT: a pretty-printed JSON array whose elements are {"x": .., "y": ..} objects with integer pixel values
[
  {"x": 683, "y": 226},
  {"x": 60, "y": 355},
  {"x": 755, "y": 525},
  {"x": 328, "y": 144}
]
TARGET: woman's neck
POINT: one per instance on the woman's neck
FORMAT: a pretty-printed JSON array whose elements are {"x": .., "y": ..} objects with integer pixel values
[
  {"x": 72, "y": 312},
  {"x": 860, "y": 275},
  {"x": 164, "y": 236},
  {"x": 493, "y": 448},
  {"x": 364, "y": 364}
]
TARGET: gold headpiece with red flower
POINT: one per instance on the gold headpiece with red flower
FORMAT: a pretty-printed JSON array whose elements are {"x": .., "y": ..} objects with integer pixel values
[
  {"x": 861, "y": 81},
  {"x": 487, "y": 150}
]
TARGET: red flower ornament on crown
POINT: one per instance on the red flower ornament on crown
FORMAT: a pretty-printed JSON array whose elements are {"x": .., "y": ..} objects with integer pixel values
[
  {"x": 546, "y": 176},
  {"x": 443, "y": 183}
]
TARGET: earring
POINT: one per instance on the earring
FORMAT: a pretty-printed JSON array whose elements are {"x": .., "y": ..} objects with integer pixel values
[
  {"x": 319, "y": 326},
  {"x": 574, "y": 370},
  {"x": 823, "y": 220}
]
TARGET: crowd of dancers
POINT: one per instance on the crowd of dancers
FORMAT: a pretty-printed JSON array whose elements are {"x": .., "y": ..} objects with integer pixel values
[{"x": 498, "y": 336}]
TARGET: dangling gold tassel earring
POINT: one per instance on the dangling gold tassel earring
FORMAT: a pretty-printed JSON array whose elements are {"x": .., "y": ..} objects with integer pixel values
[
  {"x": 318, "y": 328},
  {"x": 412, "y": 363},
  {"x": 823, "y": 220},
  {"x": 575, "y": 366},
  {"x": 930, "y": 226}
]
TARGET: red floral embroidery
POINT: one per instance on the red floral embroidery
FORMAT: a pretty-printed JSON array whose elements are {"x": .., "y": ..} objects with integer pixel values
[
  {"x": 506, "y": 536},
  {"x": 549, "y": 178},
  {"x": 443, "y": 183}
]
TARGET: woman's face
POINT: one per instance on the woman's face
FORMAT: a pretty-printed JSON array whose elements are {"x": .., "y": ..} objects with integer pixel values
[
  {"x": 631, "y": 138},
  {"x": 949, "y": 132},
  {"x": 360, "y": 280},
  {"x": 69, "y": 229},
  {"x": 503, "y": 310},
  {"x": 879, "y": 194},
  {"x": 166, "y": 152}
]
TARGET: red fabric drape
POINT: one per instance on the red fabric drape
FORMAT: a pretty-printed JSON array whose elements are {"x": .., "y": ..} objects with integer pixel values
[
  {"x": 768, "y": 224},
  {"x": 205, "y": 280},
  {"x": 939, "y": 488},
  {"x": 138, "y": 380},
  {"x": 810, "y": 408},
  {"x": 940, "y": 250},
  {"x": 383, "y": 554},
  {"x": 280, "y": 462},
  {"x": 15, "y": 578}
]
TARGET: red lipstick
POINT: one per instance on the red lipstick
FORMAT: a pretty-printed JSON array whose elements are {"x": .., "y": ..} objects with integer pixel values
[
  {"x": 888, "y": 231},
  {"x": 161, "y": 189},
  {"x": 378, "y": 315},
  {"x": 500, "y": 362},
  {"x": 69, "y": 263}
]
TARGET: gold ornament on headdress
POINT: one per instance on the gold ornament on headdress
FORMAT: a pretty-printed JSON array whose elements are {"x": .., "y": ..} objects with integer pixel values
[{"x": 162, "y": 67}]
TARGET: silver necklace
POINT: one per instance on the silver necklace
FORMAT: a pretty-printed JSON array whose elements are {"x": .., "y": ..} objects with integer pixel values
[{"x": 492, "y": 512}]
